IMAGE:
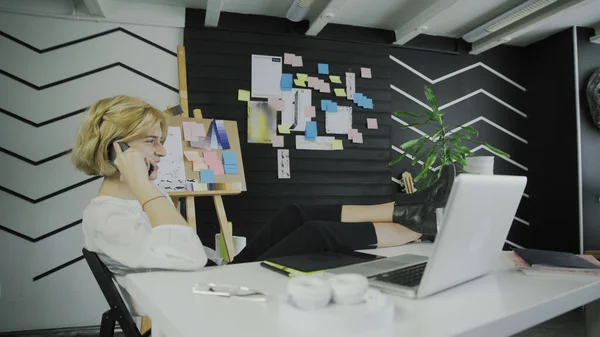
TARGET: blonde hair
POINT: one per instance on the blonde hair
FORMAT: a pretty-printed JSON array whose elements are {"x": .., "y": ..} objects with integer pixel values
[{"x": 119, "y": 118}]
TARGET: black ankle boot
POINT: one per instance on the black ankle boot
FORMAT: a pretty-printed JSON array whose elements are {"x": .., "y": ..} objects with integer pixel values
[{"x": 416, "y": 211}]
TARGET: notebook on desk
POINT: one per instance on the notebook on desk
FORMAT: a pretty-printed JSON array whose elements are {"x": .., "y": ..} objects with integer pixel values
[
  {"x": 544, "y": 258},
  {"x": 315, "y": 263}
]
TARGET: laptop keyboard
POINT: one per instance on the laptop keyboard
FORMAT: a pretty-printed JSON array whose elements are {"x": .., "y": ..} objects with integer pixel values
[{"x": 408, "y": 277}]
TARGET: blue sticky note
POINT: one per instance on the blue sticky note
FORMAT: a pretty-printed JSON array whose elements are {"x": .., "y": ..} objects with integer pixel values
[
  {"x": 207, "y": 176},
  {"x": 286, "y": 82},
  {"x": 323, "y": 68},
  {"x": 229, "y": 158},
  {"x": 368, "y": 103},
  {"x": 357, "y": 97},
  {"x": 332, "y": 107},
  {"x": 231, "y": 169},
  {"x": 325, "y": 104},
  {"x": 311, "y": 130}
]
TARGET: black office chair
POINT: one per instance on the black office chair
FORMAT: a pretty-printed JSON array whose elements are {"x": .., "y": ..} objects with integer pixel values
[{"x": 118, "y": 311}]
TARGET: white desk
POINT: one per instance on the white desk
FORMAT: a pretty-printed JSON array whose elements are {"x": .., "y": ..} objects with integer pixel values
[{"x": 499, "y": 304}]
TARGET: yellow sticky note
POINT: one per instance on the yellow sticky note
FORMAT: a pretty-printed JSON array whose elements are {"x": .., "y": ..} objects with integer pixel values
[
  {"x": 335, "y": 79},
  {"x": 303, "y": 77},
  {"x": 337, "y": 144},
  {"x": 340, "y": 92},
  {"x": 283, "y": 129},
  {"x": 300, "y": 83},
  {"x": 243, "y": 95}
]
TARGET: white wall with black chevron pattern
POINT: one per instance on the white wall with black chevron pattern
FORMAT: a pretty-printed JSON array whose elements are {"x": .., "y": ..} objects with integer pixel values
[{"x": 50, "y": 71}]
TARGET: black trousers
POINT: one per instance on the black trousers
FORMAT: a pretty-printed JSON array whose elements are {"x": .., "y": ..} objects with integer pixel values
[{"x": 299, "y": 229}]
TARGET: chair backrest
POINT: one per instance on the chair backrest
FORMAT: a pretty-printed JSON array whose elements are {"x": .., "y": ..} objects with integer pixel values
[{"x": 118, "y": 309}]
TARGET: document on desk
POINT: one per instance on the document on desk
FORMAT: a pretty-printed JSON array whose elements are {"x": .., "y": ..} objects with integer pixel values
[{"x": 266, "y": 76}]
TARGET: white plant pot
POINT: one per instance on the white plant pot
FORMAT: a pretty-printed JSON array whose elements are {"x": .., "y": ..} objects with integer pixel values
[{"x": 480, "y": 165}]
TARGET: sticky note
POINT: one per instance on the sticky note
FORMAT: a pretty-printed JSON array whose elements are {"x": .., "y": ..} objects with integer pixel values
[
  {"x": 303, "y": 77},
  {"x": 198, "y": 144},
  {"x": 198, "y": 166},
  {"x": 335, "y": 79},
  {"x": 288, "y": 58},
  {"x": 286, "y": 82},
  {"x": 243, "y": 95},
  {"x": 372, "y": 123},
  {"x": 357, "y": 138},
  {"x": 340, "y": 92},
  {"x": 187, "y": 132},
  {"x": 300, "y": 83},
  {"x": 198, "y": 130},
  {"x": 231, "y": 169},
  {"x": 311, "y": 130},
  {"x": 229, "y": 158},
  {"x": 297, "y": 61},
  {"x": 200, "y": 187},
  {"x": 191, "y": 155},
  {"x": 276, "y": 104},
  {"x": 323, "y": 68},
  {"x": 337, "y": 144},
  {"x": 354, "y": 132},
  {"x": 310, "y": 112},
  {"x": 368, "y": 103},
  {"x": 210, "y": 158},
  {"x": 324, "y": 87},
  {"x": 277, "y": 141},
  {"x": 357, "y": 97},
  {"x": 324, "y": 104},
  {"x": 332, "y": 107},
  {"x": 217, "y": 169},
  {"x": 313, "y": 82},
  {"x": 285, "y": 129},
  {"x": 207, "y": 176},
  {"x": 350, "y": 134},
  {"x": 365, "y": 72}
]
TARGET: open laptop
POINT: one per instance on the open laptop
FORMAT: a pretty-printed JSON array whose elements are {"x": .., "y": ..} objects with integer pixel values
[{"x": 476, "y": 221}]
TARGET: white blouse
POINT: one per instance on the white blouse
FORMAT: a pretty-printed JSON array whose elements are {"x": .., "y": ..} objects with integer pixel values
[{"x": 119, "y": 231}]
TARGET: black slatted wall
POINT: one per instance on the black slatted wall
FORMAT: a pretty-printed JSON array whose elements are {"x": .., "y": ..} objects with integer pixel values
[{"x": 218, "y": 64}]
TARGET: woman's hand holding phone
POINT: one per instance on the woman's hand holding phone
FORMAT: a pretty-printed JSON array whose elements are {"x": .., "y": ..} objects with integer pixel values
[{"x": 132, "y": 164}]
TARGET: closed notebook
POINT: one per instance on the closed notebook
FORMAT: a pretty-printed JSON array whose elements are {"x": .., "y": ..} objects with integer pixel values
[
  {"x": 544, "y": 258},
  {"x": 315, "y": 263}
]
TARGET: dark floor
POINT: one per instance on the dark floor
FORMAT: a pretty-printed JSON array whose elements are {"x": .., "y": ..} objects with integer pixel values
[{"x": 571, "y": 324}]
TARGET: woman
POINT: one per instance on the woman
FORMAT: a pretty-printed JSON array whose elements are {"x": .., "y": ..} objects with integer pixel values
[{"x": 133, "y": 225}]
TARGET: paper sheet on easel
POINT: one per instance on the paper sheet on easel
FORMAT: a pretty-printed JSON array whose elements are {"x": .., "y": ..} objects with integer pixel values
[
  {"x": 266, "y": 76},
  {"x": 171, "y": 176}
]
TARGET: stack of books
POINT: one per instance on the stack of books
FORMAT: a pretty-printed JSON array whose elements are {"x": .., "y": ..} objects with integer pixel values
[{"x": 543, "y": 262}]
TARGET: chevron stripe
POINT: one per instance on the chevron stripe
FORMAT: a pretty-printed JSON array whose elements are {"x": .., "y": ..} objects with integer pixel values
[
  {"x": 42, "y": 237},
  {"x": 87, "y": 38},
  {"x": 51, "y": 195},
  {"x": 514, "y": 244},
  {"x": 94, "y": 71},
  {"x": 49, "y": 121},
  {"x": 478, "y": 119},
  {"x": 522, "y": 221},
  {"x": 58, "y": 268},
  {"x": 452, "y": 74},
  {"x": 458, "y": 100},
  {"x": 33, "y": 162}
]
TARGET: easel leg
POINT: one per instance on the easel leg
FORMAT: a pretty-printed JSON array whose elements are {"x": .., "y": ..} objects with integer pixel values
[
  {"x": 225, "y": 231},
  {"x": 190, "y": 210},
  {"x": 146, "y": 324},
  {"x": 592, "y": 319}
]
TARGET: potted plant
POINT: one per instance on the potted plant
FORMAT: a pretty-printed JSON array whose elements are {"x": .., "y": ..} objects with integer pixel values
[{"x": 440, "y": 148}]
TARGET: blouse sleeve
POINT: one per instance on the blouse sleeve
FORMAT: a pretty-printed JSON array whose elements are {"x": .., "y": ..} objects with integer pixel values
[{"x": 126, "y": 237}]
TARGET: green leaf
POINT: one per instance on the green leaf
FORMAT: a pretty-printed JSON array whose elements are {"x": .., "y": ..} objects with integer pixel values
[
  {"x": 455, "y": 141},
  {"x": 430, "y": 160},
  {"x": 413, "y": 125},
  {"x": 423, "y": 155},
  {"x": 463, "y": 149},
  {"x": 497, "y": 151},
  {"x": 397, "y": 159},
  {"x": 462, "y": 135},
  {"x": 431, "y": 98},
  {"x": 470, "y": 129},
  {"x": 408, "y": 114},
  {"x": 415, "y": 152},
  {"x": 421, "y": 174},
  {"x": 459, "y": 158},
  {"x": 410, "y": 144}
]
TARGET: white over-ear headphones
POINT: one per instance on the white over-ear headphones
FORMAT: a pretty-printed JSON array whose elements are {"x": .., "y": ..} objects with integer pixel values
[{"x": 312, "y": 292}]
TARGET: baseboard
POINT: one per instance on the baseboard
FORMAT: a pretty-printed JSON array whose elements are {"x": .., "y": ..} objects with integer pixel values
[{"x": 80, "y": 331}]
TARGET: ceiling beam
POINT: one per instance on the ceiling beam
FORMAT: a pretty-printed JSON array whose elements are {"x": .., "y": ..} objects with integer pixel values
[
  {"x": 521, "y": 27},
  {"x": 213, "y": 12},
  {"x": 94, "y": 7},
  {"x": 326, "y": 15},
  {"x": 416, "y": 16}
]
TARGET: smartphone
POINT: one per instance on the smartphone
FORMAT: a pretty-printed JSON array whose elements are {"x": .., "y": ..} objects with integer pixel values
[{"x": 112, "y": 155}]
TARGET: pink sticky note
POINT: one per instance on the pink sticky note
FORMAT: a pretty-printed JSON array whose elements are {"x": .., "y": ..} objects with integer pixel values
[
  {"x": 198, "y": 130},
  {"x": 357, "y": 138},
  {"x": 365, "y": 72},
  {"x": 372, "y": 123},
  {"x": 312, "y": 82},
  {"x": 187, "y": 132},
  {"x": 297, "y": 61},
  {"x": 350, "y": 133},
  {"x": 276, "y": 104},
  {"x": 324, "y": 87},
  {"x": 191, "y": 155},
  {"x": 218, "y": 169},
  {"x": 211, "y": 158},
  {"x": 277, "y": 141},
  {"x": 199, "y": 165},
  {"x": 310, "y": 111},
  {"x": 288, "y": 58}
]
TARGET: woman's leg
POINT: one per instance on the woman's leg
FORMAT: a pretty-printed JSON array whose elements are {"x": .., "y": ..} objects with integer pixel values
[
  {"x": 286, "y": 221},
  {"x": 368, "y": 213}
]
